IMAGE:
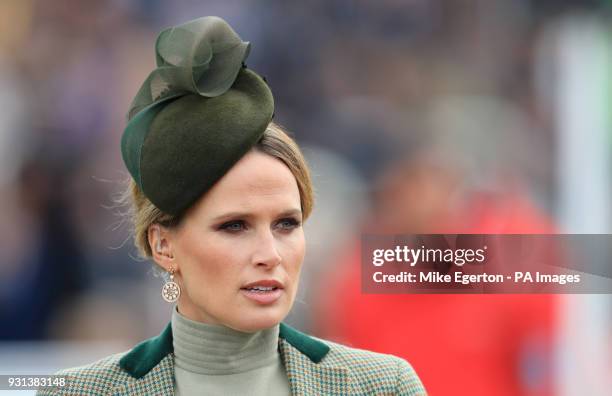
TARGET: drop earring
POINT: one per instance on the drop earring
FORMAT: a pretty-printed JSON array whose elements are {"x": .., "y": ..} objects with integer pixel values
[{"x": 171, "y": 290}]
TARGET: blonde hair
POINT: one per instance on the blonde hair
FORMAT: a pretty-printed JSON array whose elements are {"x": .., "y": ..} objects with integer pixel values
[{"x": 275, "y": 142}]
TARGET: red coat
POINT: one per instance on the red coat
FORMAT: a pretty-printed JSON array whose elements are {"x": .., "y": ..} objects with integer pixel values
[{"x": 458, "y": 344}]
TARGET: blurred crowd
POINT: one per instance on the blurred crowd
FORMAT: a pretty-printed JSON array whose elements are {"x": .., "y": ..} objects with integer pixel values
[{"x": 421, "y": 116}]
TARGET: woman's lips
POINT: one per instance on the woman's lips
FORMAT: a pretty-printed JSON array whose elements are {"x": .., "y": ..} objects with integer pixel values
[
  {"x": 263, "y": 291},
  {"x": 263, "y": 297}
]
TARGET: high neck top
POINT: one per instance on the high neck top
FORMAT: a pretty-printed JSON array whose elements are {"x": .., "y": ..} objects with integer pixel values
[{"x": 214, "y": 349}]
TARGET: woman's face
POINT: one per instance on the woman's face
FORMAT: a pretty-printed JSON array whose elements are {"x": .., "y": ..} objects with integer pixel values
[{"x": 239, "y": 250}]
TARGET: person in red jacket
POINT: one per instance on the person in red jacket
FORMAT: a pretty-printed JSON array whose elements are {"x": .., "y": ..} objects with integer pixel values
[{"x": 459, "y": 344}]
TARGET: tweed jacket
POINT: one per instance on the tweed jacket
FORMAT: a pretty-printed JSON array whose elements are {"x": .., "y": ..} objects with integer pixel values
[{"x": 313, "y": 366}]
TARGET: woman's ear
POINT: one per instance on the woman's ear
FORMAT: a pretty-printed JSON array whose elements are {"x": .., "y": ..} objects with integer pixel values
[{"x": 161, "y": 247}]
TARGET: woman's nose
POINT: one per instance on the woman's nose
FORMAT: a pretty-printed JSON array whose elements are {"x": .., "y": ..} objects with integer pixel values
[{"x": 266, "y": 250}]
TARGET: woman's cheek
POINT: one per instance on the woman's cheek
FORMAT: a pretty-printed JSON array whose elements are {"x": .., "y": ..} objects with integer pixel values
[
  {"x": 294, "y": 259},
  {"x": 297, "y": 246}
]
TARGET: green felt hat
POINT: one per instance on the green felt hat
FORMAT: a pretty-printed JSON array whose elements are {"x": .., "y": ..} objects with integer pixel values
[{"x": 195, "y": 115}]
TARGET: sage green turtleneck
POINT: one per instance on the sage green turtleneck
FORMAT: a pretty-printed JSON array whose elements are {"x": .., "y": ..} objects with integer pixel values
[{"x": 217, "y": 360}]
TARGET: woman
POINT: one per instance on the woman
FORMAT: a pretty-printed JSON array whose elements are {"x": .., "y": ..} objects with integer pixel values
[{"x": 219, "y": 195}]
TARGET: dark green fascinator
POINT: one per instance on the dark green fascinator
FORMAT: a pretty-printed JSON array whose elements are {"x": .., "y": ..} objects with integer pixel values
[{"x": 196, "y": 114}]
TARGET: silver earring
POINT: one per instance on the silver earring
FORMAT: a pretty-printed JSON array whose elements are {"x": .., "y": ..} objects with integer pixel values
[{"x": 171, "y": 290}]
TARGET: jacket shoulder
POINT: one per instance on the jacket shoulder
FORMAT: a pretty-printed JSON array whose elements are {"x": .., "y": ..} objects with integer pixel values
[
  {"x": 97, "y": 378},
  {"x": 376, "y": 372}
]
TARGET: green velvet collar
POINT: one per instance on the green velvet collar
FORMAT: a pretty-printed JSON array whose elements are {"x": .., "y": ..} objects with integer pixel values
[{"x": 146, "y": 355}]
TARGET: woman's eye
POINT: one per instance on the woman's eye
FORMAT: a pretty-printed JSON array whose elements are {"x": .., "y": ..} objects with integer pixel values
[
  {"x": 233, "y": 226},
  {"x": 288, "y": 223}
]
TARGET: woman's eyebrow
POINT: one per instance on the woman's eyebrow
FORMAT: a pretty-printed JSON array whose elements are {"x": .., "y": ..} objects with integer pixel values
[
  {"x": 229, "y": 215},
  {"x": 247, "y": 215},
  {"x": 291, "y": 212}
]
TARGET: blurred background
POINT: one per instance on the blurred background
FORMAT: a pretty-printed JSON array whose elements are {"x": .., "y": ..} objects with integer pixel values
[{"x": 417, "y": 116}]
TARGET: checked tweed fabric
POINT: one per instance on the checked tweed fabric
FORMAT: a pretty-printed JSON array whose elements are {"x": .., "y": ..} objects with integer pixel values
[
  {"x": 342, "y": 371},
  {"x": 349, "y": 371},
  {"x": 106, "y": 377}
]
